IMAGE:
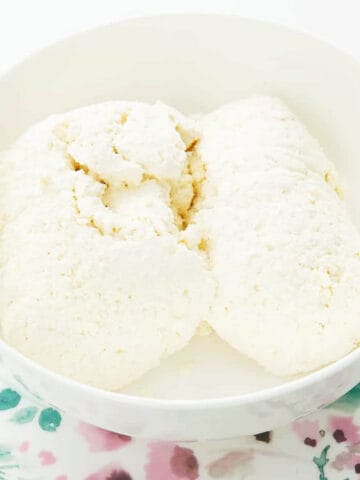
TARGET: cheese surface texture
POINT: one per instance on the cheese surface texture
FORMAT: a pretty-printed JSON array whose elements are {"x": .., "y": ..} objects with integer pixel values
[
  {"x": 126, "y": 228},
  {"x": 283, "y": 250},
  {"x": 98, "y": 284}
]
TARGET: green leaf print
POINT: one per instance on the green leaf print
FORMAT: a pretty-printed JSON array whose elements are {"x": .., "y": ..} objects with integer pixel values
[
  {"x": 321, "y": 462},
  {"x": 9, "y": 399},
  {"x": 25, "y": 415},
  {"x": 7, "y": 462},
  {"x": 5, "y": 453},
  {"x": 349, "y": 402},
  {"x": 49, "y": 420}
]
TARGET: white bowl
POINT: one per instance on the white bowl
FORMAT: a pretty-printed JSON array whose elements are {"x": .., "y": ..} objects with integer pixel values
[{"x": 194, "y": 62}]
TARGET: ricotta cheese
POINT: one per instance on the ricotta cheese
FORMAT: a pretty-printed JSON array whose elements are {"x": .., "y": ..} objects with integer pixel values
[
  {"x": 127, "y": 228},
  {"x": 96, "y": 282},
  {"x": 282, "y": 248}
]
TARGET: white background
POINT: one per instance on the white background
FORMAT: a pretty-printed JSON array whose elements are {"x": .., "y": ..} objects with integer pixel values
[{"x": 26, "y": 25}]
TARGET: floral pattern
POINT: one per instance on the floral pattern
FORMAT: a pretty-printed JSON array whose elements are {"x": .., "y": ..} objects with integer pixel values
[
  {"x": 168, "y": 461},
  {"x": 37, "y": 442},
  {"x": 100, "y": 440},
  {"x": 110, "y": 472}
]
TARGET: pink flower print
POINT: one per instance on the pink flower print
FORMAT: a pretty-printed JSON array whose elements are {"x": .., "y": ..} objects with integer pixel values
[
  {"x": 158, "y": 467},
  {"x": 307, "y": 431},
  {"x": 167, "y": 461},
  {"x": 24, "y": 447},
  {"x": 184, "y": 463},
  {"x": 227, "y": 464},
  {"x": 62, "y": 477},
  {"x": 344, "y": 430},
  {"x": 117, "y": 475},
  {"x": 47, "y": 458},
  {"x": 110, "y": 472},
  {"x": 101, "y": 440},
  {"x": 349, "y": 459}
]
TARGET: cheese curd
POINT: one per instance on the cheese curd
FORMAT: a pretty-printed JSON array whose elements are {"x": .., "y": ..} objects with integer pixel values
[{"x": 127, "y": 228}]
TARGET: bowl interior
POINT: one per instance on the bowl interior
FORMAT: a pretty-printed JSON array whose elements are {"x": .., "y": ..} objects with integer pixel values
[{"x": 196, "y": 63}]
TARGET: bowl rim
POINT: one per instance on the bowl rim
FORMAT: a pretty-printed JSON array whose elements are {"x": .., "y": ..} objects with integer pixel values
[
  {"x": 264, "y": 394},
  {"x": 186, "y": 404}
]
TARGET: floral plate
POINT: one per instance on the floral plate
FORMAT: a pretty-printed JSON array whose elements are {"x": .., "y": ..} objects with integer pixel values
[{"x": 37, "y": 442}]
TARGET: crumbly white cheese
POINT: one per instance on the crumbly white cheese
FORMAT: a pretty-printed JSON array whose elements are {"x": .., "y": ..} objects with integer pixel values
[
  {"x": 96, "y": 283},
  {"x": 282, "y": 248},
  {"x": 126, "y": 227}
]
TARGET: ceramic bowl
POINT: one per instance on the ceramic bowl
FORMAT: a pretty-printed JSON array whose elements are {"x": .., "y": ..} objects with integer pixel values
[{"x": 195, "y": 63}]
